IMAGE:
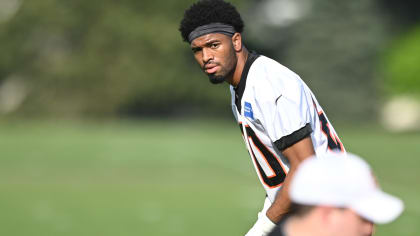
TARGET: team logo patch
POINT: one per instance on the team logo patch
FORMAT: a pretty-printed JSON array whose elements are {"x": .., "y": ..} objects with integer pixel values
[{"x": 248, "y": 110}]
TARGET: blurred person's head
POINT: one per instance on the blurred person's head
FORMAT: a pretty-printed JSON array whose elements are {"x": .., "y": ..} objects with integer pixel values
[
  {"x": 326, "y": 221},
  {"x": 337, "y": 194},
  {"x": 213, "y": 29}
]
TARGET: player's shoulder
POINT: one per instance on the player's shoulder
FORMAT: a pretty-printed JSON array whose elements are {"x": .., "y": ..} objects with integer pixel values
[{"x": 271, "y": 79}]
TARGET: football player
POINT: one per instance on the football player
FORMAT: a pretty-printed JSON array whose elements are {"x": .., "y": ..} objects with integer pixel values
[{"x": 281, "y": 121}]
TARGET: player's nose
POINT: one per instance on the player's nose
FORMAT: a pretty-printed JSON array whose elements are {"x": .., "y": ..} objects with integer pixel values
[{"x": 207, "y": 55}]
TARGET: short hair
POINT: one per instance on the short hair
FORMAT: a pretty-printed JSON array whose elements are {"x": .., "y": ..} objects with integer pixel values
[{"x": 210, "y": 11}]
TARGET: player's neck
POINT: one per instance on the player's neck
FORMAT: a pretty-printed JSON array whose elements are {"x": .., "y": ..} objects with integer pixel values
[{"x": 237, "y": 74}]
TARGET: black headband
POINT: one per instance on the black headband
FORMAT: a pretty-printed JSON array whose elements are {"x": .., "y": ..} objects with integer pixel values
[{"x": 211, "y": 28}]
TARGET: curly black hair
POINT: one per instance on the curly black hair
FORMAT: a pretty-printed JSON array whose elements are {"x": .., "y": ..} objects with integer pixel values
[{"x": 210, "y": 11}]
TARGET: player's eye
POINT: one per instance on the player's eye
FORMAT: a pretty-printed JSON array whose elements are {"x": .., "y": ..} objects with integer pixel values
[
  {"x": 214, "y": 45},
  {"x": 195, "y": 50}
]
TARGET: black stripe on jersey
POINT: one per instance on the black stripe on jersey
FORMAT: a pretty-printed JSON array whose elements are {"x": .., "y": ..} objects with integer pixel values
[
  {"x": 279, "y": 173},
  {"x": 294, "y": 137},
  {"x": 334, "y": 143},
  {"x": 274, "y": 181},
  {"x": 239, "y": 90}
]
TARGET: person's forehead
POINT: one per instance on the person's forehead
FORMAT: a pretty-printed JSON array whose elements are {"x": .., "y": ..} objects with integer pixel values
[{"x": 207, "y": 38}]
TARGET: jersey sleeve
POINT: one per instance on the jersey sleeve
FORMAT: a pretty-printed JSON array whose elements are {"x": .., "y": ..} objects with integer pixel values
[{"x": 291, "y": 117}]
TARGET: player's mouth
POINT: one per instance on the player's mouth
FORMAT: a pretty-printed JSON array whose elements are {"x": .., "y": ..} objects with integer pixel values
[{"x": 211, "y": 69}]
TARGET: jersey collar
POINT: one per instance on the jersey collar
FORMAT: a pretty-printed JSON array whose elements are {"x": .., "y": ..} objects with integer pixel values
[{"x": 239, "y": 90}]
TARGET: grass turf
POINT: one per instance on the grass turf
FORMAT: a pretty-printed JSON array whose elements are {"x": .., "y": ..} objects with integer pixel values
[{"x": 162, "y": 177}]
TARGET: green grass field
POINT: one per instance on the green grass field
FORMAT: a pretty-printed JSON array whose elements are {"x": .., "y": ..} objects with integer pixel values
[{"x": 162, "y": 178}]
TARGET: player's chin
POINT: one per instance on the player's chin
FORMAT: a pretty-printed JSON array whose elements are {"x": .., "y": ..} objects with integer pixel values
[{"x": 215, "y": 79}]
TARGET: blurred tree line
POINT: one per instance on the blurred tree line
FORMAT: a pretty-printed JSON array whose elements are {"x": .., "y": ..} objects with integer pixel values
[{"x": 126, "y": 58}]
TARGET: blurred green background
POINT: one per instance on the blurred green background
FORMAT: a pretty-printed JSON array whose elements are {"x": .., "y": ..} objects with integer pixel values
[{"x": 108, "y": 126}]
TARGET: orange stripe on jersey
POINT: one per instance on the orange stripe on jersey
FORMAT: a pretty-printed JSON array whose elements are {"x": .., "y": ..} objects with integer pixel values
[
  {"x": 265, "y": 159},
  {"x": 268, "y": 149},
  {"x": 332, "y": 138},
  {"x": 272, "y": 160},
  {"x": 260, "y": 172}
]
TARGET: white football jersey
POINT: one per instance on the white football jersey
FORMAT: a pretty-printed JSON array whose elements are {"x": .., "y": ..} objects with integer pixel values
[{"x": 275, "y": 109}]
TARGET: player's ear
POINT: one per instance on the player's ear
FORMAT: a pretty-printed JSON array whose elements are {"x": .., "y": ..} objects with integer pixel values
[{"x": 237, "y": 42}]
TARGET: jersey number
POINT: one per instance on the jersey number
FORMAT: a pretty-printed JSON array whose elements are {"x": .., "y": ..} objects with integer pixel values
[
  {"x": 334, "y": 142},
  {"x": 279, "y": 174}
]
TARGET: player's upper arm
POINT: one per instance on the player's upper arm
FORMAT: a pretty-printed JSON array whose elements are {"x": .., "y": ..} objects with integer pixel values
[
  {"x": 288, "y": 141},
  {"x": 299, "y": 151}
]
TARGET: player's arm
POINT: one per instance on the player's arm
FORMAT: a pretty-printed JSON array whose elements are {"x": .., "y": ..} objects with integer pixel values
[
  {"x": 295, "y": 153},
  {"x": 296, "y": 147},
  {"x": 288, "y": 121}
]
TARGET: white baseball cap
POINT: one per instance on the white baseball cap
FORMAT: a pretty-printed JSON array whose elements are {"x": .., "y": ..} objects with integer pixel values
[{"x": 343, "y": 180}]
